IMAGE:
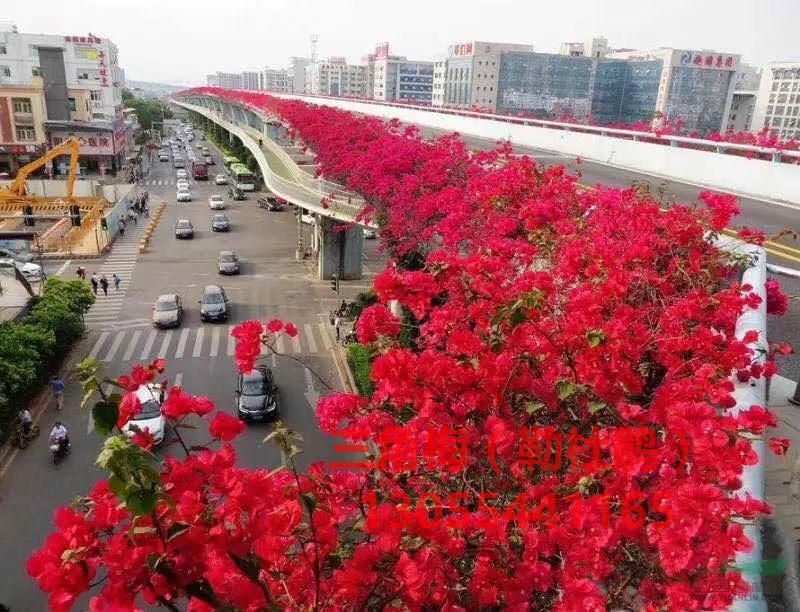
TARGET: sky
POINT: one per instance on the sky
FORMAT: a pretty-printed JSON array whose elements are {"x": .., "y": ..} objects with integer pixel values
[{"x": 180, "y": 41}]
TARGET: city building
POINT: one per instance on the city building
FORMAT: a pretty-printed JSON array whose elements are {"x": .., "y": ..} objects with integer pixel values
[
  {"x": 695, "y": 87},
  {"x": 557, "y": 85},
  {"x": 778, "y": 101},
  {"x": 743, "y": 103},
  {"x": 472, "y": 72},
  {"x": 335, "y": 77},
  {"x": 226, "y": 80},
  {"x": 394, "y": 78},
  {"x": 595, "y": 47},
  {"x": 250, "y": 80},
  {"x": 55, "y": 86},
  {"x": 212, "y": 80},
  {"x": 297, "y": 73},
  {"x": 277, "y": 81},
  {"x": 439, "y": 81}
]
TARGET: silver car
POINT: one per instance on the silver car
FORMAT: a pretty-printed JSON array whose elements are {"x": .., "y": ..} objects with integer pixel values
[
  {"x": 227, "y": 263},
  {"x": 167, "y": 311},
  {"x": 184, "y": 229}
]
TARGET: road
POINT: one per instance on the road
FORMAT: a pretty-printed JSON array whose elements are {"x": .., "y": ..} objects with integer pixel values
[
  {"x": 772, "y": 218},
  {"x": 199, "y": 355}
]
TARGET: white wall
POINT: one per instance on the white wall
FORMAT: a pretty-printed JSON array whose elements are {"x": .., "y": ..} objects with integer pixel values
[{"x": 739, "y": 175}]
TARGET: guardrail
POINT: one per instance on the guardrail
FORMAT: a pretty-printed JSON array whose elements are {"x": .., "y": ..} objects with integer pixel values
[{"x": 294, "y": 191}]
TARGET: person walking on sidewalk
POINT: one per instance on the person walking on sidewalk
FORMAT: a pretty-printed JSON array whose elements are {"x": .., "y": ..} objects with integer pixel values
[
  {"x": 104, "y": 284},
  {"x": 117, "y": 281},
  {"x": 132, "y": 216},
  {"x": 121, "y": 228},
  {"x": 93, "y": 280},
  {"x": 57, "y": 386},
  {"x": 337, "y": 323}
]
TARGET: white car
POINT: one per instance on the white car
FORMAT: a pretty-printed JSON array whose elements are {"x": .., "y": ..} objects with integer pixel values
[
  {"x": 181, "y": 174},
  {"x": 183, "y": 195},
  {"x": 221, "y": 179},
  {"x": 182, "y": 184},
  {"x": 150, "y": 416},
  {"x": 31, "y": 271},
  {"x": 215, "y": 202}
]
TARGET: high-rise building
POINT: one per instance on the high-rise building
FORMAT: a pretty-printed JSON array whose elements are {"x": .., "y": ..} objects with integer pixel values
[
  {"x": 439, "y": 80},
  {"x": 778, "y": 102},
  {"x": 695, "y": 87},
  {"x": 277, "y": 81},
  {"x": 395, "y": 78},
  {"x": 743, "y": 103},
  {"x": 297, "y": 74},
  {"x": 594, "y": 47},
  {"x": 53, "y": 87},
  {"x": 227, "y": 80},
  {"x": 212, "y": 80},
  {"x": 250, "y": 80},
  {"x": 472, "y": 71},
  {"x": 335, "y": 77}
]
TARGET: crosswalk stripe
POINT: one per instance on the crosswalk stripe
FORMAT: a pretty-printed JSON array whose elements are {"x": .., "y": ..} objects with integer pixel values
[
  {"x": 162, "y": 353},
  {"x": 198, "y": 342},
  {"x": 231, "y": 342},
  {"x": 215, "y": 342},
  {"x": 132, "y": 345},
  {"x": 182, "y": 343},
  {"x": 114, "y": 346},
  {"x": 148, "y": 345},
  {"x": 312, "y": 344},
  {"x": 324, "y": 335},
  {"x": 296, "y": 344},
  {"x": 178, "y": 379},
  {"x": 97, "y": 345},
  {"x": 279, "y": 345}
]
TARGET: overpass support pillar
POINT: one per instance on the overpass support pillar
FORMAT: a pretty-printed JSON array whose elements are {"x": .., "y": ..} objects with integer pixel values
[{"x": 340, "y": 248}]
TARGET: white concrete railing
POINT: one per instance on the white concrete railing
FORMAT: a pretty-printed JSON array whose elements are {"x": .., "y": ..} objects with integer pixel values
[
  {"x": 290, "y": 190},
  {"x": 754, "y": 178}
]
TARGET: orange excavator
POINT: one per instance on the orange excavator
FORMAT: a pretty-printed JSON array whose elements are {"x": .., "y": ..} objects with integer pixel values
[{"x": 19, "y": 188}]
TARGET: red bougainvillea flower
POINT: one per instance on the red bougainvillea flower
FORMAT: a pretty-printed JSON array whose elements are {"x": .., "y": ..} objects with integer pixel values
[
  {"x": 291, "y": 330},
  {"x": 144, "y": 438},
  {"x": 275, "y": 325},
  {"x": 179, "y": 405},
  {"x": 779, "y": 446},
  {"x": 129, "y": 407},
  {"x": 225, "y": 427},
  {"x": 375, "y": 321},
  {"x": 249, "y": 336},
  {"x": 777, "y": 300}
]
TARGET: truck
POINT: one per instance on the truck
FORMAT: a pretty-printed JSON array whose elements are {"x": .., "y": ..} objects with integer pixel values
[{"x": 199, "y": 171}]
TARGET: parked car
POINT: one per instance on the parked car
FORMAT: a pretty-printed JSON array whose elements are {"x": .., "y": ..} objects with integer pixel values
[
  {"x": 31, "y": 271},
  {"x": 150, "y": 416},
  {"x": 215, "y": 202},
  {"x": 168, "y": 311},
  {"x": 221, "y": 179},
  {"x": 220, "y": 223},
  {"x": 257, "y": 395},
  {"x": 184, "y": 229},
  {"x": 227, "y": 263},
  {"x": 214, "y": 304},
  {"x": 236, "y": 194},
  {"x": 183, "y": 195}
]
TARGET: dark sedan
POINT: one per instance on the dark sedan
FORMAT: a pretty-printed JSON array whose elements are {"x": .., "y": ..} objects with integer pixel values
[
  {"x": 257, "y": 395},
  {"x": 220, "y": 223}
]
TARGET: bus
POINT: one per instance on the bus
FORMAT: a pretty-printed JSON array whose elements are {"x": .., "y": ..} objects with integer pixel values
[
  {"x": 229, "y": 160},
  {"x": 242, "y": 177}
]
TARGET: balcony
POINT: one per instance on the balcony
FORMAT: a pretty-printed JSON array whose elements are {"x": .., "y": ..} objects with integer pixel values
[{"x": 23, "y": 118}]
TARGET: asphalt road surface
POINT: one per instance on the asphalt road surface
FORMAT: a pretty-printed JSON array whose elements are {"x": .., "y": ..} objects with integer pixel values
[{"x": 199, "y": 355}]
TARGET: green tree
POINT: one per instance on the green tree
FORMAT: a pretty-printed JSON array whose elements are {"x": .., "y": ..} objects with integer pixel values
[
  {"x": 147, "y": 111},
  {"x": 61, "y": 310},
  {"x": 22, "y": 346}
]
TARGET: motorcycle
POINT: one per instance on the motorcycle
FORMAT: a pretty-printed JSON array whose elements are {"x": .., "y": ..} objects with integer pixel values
[
  {"x": 60, "y": 449},
  {"x": 349, "y": 338},
  {"x": 19, "y": 439}
]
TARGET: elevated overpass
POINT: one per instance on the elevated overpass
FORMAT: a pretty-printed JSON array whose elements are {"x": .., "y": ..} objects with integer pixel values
[{"x": 337, "y": 229}]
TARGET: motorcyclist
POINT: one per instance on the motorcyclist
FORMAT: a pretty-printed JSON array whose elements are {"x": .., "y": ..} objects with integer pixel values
[
  {"x": 26, "y": 420},
  {"x": 60, "y": 436}
]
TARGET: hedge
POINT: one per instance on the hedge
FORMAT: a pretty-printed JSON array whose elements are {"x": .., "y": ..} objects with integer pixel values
[
  {"x": 359, "y": 358},
  {"x": 32, "y": 349}
]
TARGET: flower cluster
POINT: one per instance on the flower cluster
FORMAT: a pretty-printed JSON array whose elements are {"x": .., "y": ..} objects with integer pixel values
[{"x": 526, "y": 303}]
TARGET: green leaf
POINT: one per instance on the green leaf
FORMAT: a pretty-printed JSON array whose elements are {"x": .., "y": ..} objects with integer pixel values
[
  {"x": 565, "y": 389},
  {"x": 141, "y": 502},
  {"x": 517, "y": 317},
  {"x": 105, "y": 415},
  {"x": 532, "y": 407},
  {"x": 595, "y": 337},
  {"x": 596, "y": 406},
  {"x": 117, "y": 486}
]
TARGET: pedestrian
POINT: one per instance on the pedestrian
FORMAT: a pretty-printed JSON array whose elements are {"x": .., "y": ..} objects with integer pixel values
[
  {"x": 343, "y": 308},
  {"x": 146, "y": 197},
  {"x": 132, "y": 216},
  {"x": 122, "y": 227},
  {"x": 57, "y": 386},
  {"x": 104, "y": 284},
  {"x": 337, "y": 323},
  {"x": 117, "y": 281},
  {"x": 81, "y": 273},
  {"x": 93, "y": 280}
]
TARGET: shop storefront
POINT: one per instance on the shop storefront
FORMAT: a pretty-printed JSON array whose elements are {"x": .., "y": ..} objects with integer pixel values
[
  {"x": 102, "y": 150},
  {"x": 13, "y": 157}
]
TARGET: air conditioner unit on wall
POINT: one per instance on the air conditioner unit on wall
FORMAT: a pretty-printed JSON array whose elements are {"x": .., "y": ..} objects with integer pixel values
[{"x": 97, "y": 103}]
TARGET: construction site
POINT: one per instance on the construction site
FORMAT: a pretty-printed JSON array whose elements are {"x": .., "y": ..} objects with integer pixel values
[{"x": 57, "y": 219}]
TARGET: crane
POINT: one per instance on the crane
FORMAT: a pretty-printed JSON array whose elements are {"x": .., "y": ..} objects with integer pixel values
[{"x": 19, "y": 189}]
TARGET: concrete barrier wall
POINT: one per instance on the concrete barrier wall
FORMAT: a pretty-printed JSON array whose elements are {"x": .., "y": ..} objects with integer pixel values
[{"x": 748, "y": 177}]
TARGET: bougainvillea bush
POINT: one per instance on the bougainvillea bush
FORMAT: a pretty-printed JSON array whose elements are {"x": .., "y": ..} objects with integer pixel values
[{"x": 549, "y": 324}]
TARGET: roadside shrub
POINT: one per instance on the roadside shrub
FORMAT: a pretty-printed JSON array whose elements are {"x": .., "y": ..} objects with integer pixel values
[{"x": 360, "y": 362}]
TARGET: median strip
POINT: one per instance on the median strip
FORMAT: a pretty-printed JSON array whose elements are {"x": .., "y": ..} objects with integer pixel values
[{"x": 148, "y": 232}]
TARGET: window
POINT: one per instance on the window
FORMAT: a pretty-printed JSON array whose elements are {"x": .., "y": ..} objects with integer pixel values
[
  {"x": 22, "y": 105},
  {"x": 5, "y": 71},
  {"x": 3, "y": 50},
  {"x": 782, "y": 99},
  {"x": 36, "y": 71},
  {"x": 26, "y": 133},
  {"x": 72, "y": 105},
  {"x": 82, "y": 75}
]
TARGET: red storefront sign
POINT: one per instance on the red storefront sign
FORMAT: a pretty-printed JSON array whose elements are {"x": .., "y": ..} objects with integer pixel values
[{"x": 708, "y": 60}]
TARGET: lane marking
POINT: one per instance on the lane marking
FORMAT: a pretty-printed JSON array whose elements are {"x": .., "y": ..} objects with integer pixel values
[
  {"x": 178, "y": 379},
  {"x": 148, "y": 345},
  {"x": 132, "y": 345},
  {"x": 63, "y": 267},
  {"x": 198, "y": 342},
  {"x": 215, "y": 342},
  {"x": 312, "y": 343},
  {"x": 296, "y": 344},
  {"x": 98, "y": 345},
  {"x": 114, "y": 346},
  {"x": 325, "y": 340},
  {"x": 182, "y": 343},
  {"x": 231, "y": 342},
  {"x": 162, "y": 353},
  {"x": 279, "y": 347}
]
